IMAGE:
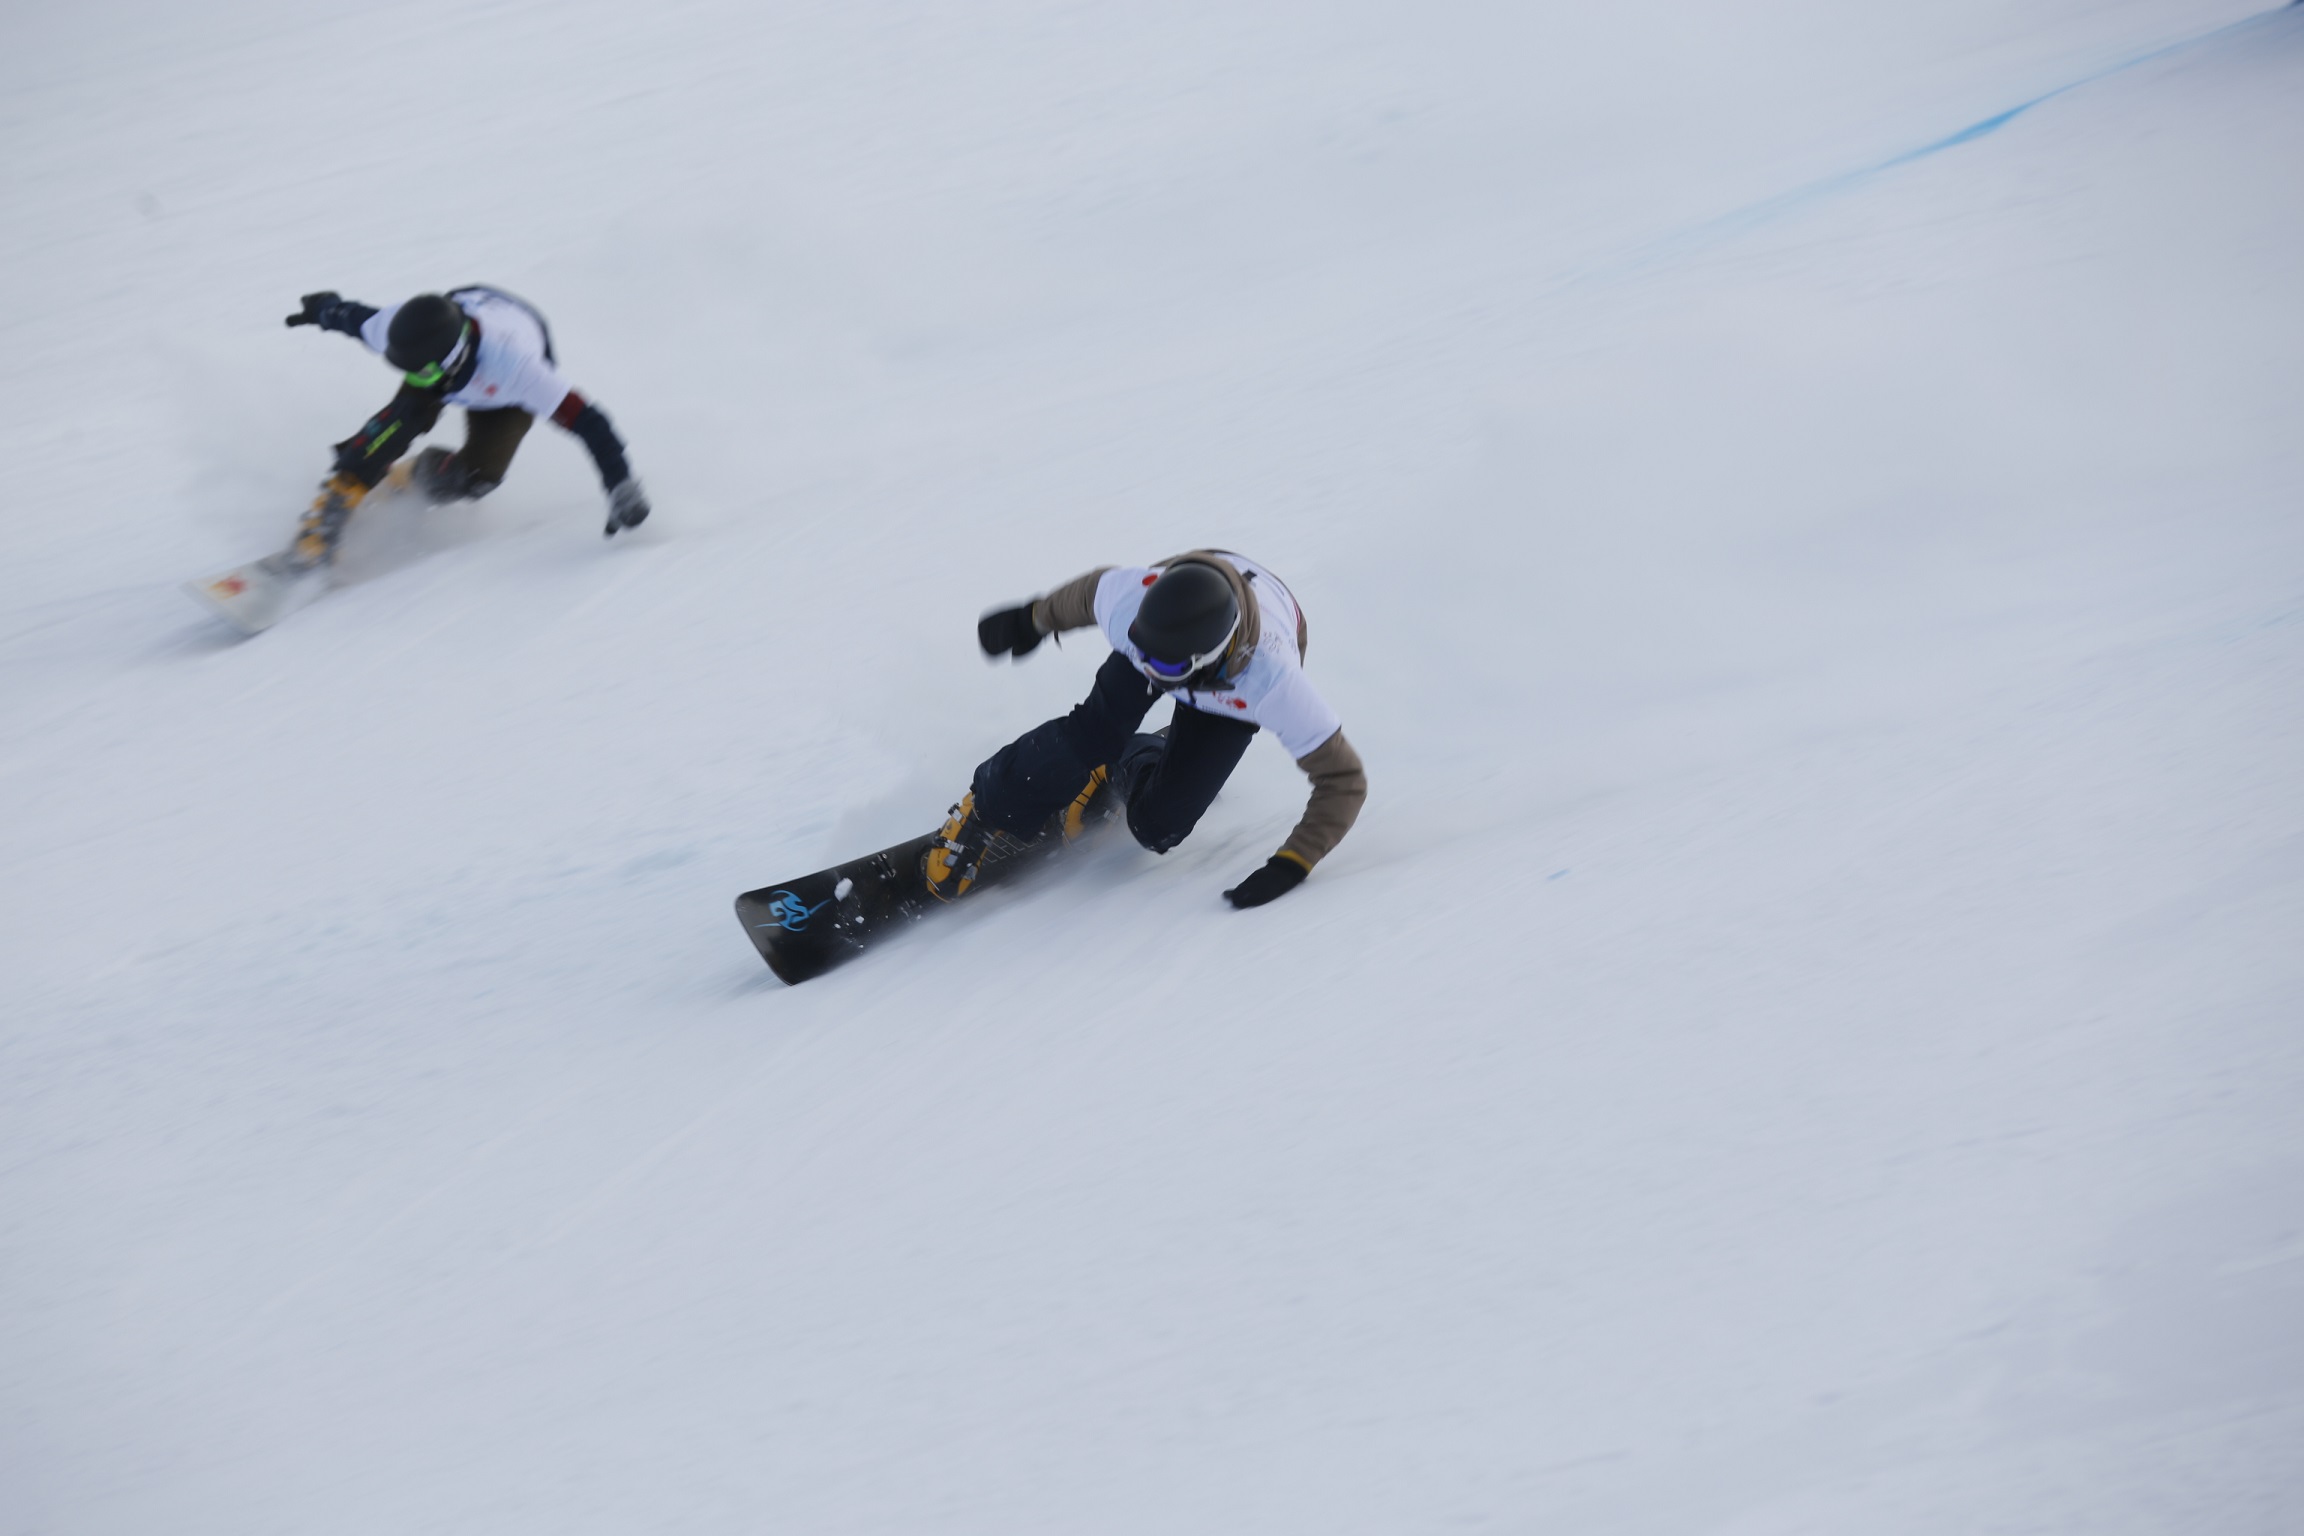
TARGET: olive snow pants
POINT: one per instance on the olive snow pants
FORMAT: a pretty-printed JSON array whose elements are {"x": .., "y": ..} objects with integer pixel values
[
  {"x": 490, "y": 440},
  {"x": 1168, "y": 781},
  {"x": 491, "y": 437}
]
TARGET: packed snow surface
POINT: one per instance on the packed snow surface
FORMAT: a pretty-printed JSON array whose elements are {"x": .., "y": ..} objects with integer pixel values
[{"x": 1797, "y": 505}]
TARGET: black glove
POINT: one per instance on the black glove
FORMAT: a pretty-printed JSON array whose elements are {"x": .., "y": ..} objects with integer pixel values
[
  {"x": 1010, "y": 630},
  {"x": 1281, "y": 874},
  {"x": 331, "y": 311}
]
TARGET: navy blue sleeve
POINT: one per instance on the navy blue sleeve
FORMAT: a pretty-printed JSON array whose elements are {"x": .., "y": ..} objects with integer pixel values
[
  {"x": 347, "y": 317},
  {"x": 590, "y": 423}
]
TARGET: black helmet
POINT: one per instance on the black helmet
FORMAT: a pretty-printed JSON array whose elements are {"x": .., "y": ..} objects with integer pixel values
[
  {"x": 425, "y": 333},
  {"x": 1189, "y": 616}
]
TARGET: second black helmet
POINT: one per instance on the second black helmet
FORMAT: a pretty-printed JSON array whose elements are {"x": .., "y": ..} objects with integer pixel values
[
  {"x": 1187, "y": 619},
  {"x": 424, "y": 333}
]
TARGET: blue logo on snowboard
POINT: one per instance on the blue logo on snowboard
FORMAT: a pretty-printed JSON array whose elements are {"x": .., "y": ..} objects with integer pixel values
[{"x": 791, "y": 913}]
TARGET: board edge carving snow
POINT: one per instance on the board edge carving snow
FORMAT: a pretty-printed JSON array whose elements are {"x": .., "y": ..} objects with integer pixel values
[
  {"x": 806, "y": 926},
  {"x": 254, "y": 597}
]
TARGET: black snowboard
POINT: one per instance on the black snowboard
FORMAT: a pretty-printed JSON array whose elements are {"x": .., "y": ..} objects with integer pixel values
[{"x": 804, "y": 927}]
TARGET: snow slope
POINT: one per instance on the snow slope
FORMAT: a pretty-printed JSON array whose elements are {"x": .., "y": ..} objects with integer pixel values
[{"x": 1804, "y": 1039}]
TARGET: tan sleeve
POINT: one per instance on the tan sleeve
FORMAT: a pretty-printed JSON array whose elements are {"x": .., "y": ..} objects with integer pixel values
[
  {"x": 1070, "y": 606},
  {"x": 1339, "y": 785}
]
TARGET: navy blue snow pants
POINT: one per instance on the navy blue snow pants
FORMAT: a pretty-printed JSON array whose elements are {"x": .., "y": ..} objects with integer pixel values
[{"x": 1169, "y": 782}]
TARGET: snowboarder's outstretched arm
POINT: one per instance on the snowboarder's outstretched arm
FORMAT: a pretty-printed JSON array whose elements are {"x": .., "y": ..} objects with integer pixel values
[
  {"x": 627, "y": 505},
  {"x": 1339, "y": 788},
  {"x": 1018, "y": 629},
  {"x": 1070, "y": 606},
  {"x": 1279, "y": 698},
  {"x": 362, "y": 458},
  {"x": 331, "y": 311}
]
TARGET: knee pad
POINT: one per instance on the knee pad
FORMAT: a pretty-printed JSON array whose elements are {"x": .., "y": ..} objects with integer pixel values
[
  {"x": 1135, "y": 761},
  {"x": 1131, "y": 771},
  {"x": 436, "y": 475},
  {"x": 1152, "y": 831},
  {"x": 444, "y": 476}
]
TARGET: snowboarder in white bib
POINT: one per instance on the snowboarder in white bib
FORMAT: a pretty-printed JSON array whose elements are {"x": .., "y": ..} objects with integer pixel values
[
  {"x": 1221, "y": 636},
  {"x": 476, "y": 347}
]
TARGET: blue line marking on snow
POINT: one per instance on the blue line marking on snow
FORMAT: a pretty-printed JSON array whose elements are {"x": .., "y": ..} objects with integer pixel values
[
  {"x": 1754, "y": 214},
  {"x": 1974, "y": 130}
]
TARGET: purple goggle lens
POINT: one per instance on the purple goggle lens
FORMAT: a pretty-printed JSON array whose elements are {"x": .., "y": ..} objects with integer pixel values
[{"x": 1170, "y": 668}]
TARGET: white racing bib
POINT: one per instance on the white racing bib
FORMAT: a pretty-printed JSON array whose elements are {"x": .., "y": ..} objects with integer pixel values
[
  {"x": 1272, "y": 693},
  {"x": 514, "y": 368}
]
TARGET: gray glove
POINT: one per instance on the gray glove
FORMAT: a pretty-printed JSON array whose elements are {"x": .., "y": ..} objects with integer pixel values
[{"x": 627, "y": 507}]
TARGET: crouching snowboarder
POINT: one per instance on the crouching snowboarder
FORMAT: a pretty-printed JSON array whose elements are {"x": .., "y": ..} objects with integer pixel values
[
  {"x": 1221, "y": 636},
  {"x": 476, "y": 347}
]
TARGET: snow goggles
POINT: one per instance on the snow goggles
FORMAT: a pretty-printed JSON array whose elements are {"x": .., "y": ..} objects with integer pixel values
[
  {"x": 432, "y": 373},
  {"x": 1178, "y": 671}
]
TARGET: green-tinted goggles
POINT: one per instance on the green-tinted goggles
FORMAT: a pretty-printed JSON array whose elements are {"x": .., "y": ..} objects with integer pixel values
[{"x": 432, "y": 373}]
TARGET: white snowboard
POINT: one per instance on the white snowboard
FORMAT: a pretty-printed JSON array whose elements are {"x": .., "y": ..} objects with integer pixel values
[{"x": 254, "y": 597}]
